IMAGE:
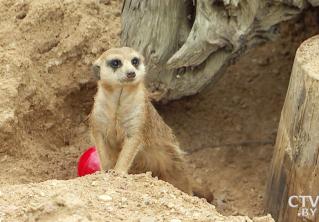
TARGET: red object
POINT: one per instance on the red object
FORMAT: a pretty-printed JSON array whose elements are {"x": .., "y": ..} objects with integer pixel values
[{"x": 89, "y": 162}]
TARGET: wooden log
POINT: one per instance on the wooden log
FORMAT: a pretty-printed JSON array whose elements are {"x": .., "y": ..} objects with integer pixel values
[
  {"x": 188, "y": 43},
  {"x": 157, "y": 29},
  {"x": 295, "y": 166}
]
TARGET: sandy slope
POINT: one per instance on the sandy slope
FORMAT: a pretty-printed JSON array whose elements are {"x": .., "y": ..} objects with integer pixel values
[{"x": 107, "y": 197}]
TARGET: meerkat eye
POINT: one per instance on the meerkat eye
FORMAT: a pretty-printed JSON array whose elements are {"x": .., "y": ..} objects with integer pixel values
[
  {"x": 115, "y": 63},
  {"x": 135, "y": 61}
]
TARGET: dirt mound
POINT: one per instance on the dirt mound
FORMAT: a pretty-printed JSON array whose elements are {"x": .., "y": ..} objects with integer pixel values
[
  {"x": 46, "y": 86},
  {"x": 107, "y": 197}
]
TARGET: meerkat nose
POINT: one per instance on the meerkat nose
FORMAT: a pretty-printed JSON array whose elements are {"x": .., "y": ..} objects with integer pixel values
[{"x": 131, "y": 75}]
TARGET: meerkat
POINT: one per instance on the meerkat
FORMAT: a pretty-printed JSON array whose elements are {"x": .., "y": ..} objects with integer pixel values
[{"x": 129, "y": 134}]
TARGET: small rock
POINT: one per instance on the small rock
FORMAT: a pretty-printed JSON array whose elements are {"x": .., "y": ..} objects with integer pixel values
[
  {"x": 148, "y": 174},
  {"x": 117, "y": 14},
  {"x": 110, "y": 209},
  {"x": 175, "y": 220},
  {"x": 170, "y": 205},
  {"x": 172, "y": 196},
  {"x": 276, "y": 71},
  {"x": 3, "y": 159},
  {"x": 267, "y": 218},
  {"x": 21, "y": 15},
  {"x": 105, "y": 197},
  {"x": 83, "y": 82},
  {"x": 124, "y": 200},
  {"x": 94, "y": 50},
  {"x": 244, "y": 105},
  {"x": 263, "y": 62},
  {"x": 196, "y": 214},
  {"x": 147, "y": 219},
  {"x": 163, "y": 191},
  {"x": 146, "y": 200},
  {"x": 105, "y": 2},
  {"x": 48, "y": 125},
  {"x": 54, "y": 183},
  {"x": 69, "y": 200},
  {"x": 94, "y": 183},
  {"x": 199, "y": 180}
]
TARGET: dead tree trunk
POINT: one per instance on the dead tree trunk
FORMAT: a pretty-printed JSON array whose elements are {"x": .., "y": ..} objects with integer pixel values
[
  {"x": 187, "y": 42},
  {"x": 295, "y": 166}
]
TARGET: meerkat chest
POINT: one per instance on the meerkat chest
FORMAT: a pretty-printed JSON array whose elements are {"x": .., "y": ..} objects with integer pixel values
[{"x": 119, "y": 111}]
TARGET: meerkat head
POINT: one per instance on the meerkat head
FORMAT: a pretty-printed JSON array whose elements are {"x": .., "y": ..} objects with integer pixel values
[{"x": 120, "y": 66}]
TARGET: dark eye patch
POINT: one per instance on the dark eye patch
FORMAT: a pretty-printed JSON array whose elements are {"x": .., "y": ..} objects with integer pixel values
[
  {"x": 115, "y": 63},
  {"x": 135, "y": 61}
]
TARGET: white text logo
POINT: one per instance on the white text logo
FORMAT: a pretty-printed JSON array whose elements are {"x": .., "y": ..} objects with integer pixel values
[{"x": 307, "y": 205}]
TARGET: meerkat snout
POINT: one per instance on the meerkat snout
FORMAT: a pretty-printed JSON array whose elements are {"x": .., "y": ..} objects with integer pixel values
[{"x": 131, "y": 75}]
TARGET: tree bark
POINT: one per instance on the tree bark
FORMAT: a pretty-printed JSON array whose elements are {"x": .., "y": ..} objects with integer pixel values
[
  {"x": 187, "y": 43},
  {"x": 295, "y": 167}
]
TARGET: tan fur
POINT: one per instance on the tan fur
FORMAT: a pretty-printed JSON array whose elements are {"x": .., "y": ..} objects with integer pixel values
[{"x": 129, "y": 134}]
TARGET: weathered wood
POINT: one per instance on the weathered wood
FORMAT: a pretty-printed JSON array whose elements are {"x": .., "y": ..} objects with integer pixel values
[
  {"x": 187, "y": 43},
  {"x": 295, "y": 167},
  {"x": 157, "y": 29},
  {"x": 300, "y": 3}
]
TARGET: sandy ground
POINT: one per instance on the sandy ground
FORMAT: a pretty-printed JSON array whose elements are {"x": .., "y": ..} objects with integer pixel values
[
  {"x": 46, "y": 94},
  {"x": 107, "y": 197}
]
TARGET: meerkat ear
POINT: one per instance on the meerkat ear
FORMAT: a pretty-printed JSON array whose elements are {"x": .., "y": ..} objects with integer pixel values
[{"x": 96, "y": 71}]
